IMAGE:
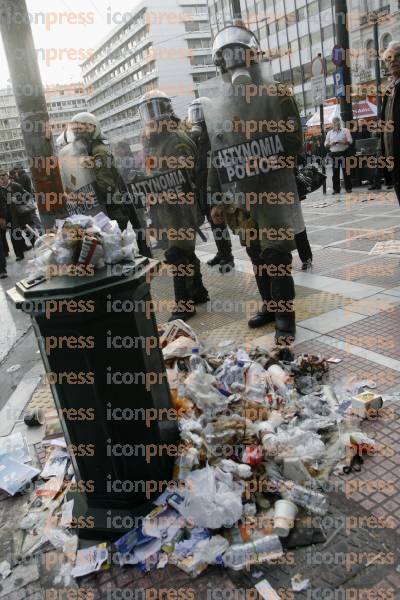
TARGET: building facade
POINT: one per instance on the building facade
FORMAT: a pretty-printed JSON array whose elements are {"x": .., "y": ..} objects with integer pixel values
[
  {"x": 293, "y": 32},
  {"x": 164, "y": 44},
  {"x": 63, "y": 101}
]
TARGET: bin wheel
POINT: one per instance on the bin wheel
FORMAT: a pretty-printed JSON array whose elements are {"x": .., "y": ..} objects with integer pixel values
[{"x": 34, "y": 418}]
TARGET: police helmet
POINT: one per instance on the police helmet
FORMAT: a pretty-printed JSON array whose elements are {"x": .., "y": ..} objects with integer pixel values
[
  {"x": 196, "y": 110},
  {"x": 156, "y": 106},
  {"x": 87, "y": 123},
  {"x": 235, "y": 46}
]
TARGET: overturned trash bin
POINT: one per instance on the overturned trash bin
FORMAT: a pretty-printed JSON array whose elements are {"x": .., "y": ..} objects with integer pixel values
[{"x": 99, "y": 343}]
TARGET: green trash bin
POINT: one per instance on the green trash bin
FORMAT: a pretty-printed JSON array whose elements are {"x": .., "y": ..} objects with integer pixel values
[{"x": 99, "y": 342}]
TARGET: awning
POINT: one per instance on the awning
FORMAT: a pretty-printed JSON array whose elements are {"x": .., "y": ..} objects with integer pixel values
[{"x": 363, "y": 109}]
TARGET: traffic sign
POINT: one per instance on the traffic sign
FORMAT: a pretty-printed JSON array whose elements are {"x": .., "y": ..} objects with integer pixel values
[
  {"x": 318, "y": 88},
  {"x": 338, "y": 55},
  {"x": 338, "y": 81}
]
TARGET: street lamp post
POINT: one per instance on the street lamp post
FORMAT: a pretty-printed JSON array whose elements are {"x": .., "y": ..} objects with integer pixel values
[
  {"x": 374, "y": 19},
  {"x": 342, "y": 38}
]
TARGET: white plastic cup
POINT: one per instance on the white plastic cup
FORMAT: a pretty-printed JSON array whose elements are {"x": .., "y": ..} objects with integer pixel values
[
  {"x": 285, "y": 514},
  {"x": 275, "y": 419}
]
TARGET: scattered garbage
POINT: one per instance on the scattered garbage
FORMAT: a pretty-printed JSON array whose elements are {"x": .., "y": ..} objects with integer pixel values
[
  {"x": 90, "y": 560},
  {"x": 266, "y": 591},
  {"x": 5, "y": 569},
  {"x": 15, "y": 475},
  {"x": 299, "y": 584},
  {"x": 260, "y": 434},
  {"x": 81, "y": 243}
]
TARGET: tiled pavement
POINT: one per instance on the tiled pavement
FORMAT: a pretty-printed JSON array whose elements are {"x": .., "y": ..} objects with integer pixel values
[{"x": 348, "y": 306}]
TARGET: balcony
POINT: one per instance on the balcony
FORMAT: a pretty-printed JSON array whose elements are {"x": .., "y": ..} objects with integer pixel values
[{"x": 381, "y": 13}]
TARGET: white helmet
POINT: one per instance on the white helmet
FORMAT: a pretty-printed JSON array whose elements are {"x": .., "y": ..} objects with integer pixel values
[
  {"x": 233, "y": 46},
  {"x": 196, "y": 110},
  {"x": 91, "y": 122}
]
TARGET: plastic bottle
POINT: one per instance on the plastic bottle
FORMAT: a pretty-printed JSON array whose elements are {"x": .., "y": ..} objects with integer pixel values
[
  {"x": 196, "y": 362},
  {"x": 312, "y": 501},
  {"x": 239, "y": 556},
  {"x": 237, "y": 373}
]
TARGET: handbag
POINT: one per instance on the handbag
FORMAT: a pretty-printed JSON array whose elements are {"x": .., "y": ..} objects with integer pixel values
[
  {"x": 308, "y": 179},
  {"x": 24, "y": 205}
]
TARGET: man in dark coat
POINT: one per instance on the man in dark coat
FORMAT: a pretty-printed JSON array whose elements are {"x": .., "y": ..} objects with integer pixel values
[
  {"x": 10, "y": 190},
  {"x": 390, "y": 136},
  {"x": 22, "y": 177}
]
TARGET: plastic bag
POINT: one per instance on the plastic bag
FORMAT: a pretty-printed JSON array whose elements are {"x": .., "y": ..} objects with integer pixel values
[
  {"x": 211, "y": 503},
  {"x": 200, "y": 388}
]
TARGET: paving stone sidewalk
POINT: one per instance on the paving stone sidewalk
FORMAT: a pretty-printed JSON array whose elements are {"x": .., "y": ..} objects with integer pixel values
[{"x": 348, "y": 306}]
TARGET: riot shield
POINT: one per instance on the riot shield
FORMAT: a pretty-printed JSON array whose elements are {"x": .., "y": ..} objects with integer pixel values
[
  {"x": 254, "y": 134},
  {"x": 130, "y": 166},
  {"x": 78, "y": 179},
  {"x": 162, "y": 183}
]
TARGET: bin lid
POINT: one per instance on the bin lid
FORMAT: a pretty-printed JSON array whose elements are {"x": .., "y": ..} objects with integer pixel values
[{"x": 73, "y": 285}]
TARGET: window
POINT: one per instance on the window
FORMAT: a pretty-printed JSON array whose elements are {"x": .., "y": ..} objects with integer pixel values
[
  {"x": 271, "y": 28},
  {"x": 305, "y": 42},
  {"x": 316, "y": 38},
  {"x": 297, "y": 76},
  {"x": 196, "y": 26},
  {"x": 327, "y": 33},
  {"x": 200, "y": 43},
  {"x": 386, "y": 39},
  {"x": 301, "y": 13},
  {"x": 370, "y": 52},
  {"x": 313, "y": 9},
  {"x": 281, "y": 24},
  {"x": 325, "y": 4},
  {"x": 306, "y": 72},
  {"x": 294, "y": 46}
]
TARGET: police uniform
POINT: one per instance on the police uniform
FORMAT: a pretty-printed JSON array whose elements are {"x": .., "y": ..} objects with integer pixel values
[
  {"x": 170, "y": 150},
  {"x": 108, "y": 183},
  {"x": 221, "y": 235},
  {"x": 266, "y": 227}
]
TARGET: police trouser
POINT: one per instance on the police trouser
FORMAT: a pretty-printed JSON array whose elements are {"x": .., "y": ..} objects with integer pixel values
[
  {"x": 272, "y": 270},
  {"x": 221, "y": 236},
  {"x": 188, "y": 282}
]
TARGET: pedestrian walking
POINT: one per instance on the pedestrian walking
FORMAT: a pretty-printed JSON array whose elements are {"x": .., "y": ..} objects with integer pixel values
[
  {"x": 390, "y": 137},
  {"x": 338, "y": 142},
  {"x": 11, "y": 200},
  {"x": 22, "y": 177}
]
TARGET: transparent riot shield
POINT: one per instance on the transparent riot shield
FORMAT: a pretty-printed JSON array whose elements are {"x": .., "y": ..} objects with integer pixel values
[
  {"x": 129, "y": 162},
  {"x": 255, "y": 135},
  {"x": 78, "y": 179},
  {"x": 168, "y": 194}
]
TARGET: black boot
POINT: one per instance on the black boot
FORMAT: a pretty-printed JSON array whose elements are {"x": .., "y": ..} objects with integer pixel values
[
  {"x": 198, "y": 293},
  {"x": 263, "y": 317},
  {"x": 214, "y": 261},
  {"x": 184, "y": 307},
  {"x": 283, "y": 293}
]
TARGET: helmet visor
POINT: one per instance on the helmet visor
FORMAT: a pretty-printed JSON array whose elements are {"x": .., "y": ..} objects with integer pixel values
[
  {"x": 155, "y": 110},
  {"x": 195, "y": 113},
  {"x": 236, "y": 56}
]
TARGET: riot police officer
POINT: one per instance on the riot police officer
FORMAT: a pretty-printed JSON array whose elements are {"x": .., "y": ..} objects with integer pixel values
[
  {"x": 86, "y": 132},
  {"x": 199, "y": 135},
  {"x": 255, "y": 135},
  {"x": 111, "y": 191},
  {"x": 170, "y": 166}
]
